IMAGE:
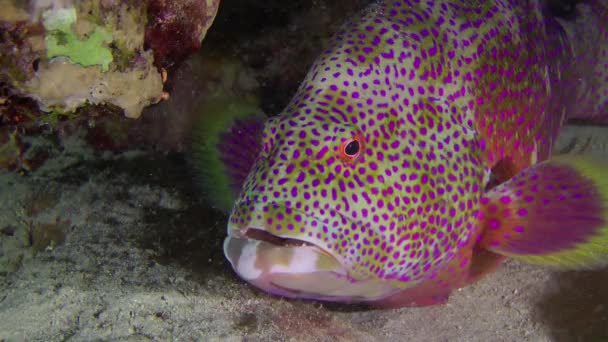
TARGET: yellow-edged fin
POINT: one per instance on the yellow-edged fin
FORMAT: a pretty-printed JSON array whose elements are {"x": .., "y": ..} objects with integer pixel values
[
  {"x": 553, "y": 213},
  {"x": 225, "y": 143}
]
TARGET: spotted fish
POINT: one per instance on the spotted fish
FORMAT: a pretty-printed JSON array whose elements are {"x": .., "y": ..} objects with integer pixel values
[{"x": 416, "y": 156}]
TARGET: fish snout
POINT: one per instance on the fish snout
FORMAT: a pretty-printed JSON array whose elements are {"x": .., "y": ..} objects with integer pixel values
[{"x": 304, "y": 272}]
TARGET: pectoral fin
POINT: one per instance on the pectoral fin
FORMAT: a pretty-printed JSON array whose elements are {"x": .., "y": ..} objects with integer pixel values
[
  {"x": 553, "y": 213},
  {"x": 226, "y": 142}
]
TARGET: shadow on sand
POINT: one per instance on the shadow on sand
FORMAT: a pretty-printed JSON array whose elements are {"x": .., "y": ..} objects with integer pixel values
[{"x": 577, "y": 309}]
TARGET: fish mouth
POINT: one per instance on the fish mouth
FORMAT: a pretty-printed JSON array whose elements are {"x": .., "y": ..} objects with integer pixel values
[
  {"x": 262, "y": 235},
  {"x": 293, "y": 268}
]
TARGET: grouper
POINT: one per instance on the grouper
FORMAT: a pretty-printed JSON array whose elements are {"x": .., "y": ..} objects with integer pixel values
[{"x": 417, "y": 155}]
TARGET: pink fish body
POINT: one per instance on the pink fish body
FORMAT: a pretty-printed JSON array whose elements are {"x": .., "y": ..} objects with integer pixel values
[{"x": 413, "y": 158}]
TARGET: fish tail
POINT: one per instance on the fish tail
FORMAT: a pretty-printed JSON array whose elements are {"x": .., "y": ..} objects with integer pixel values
[
  {"x": 554, "y": 213},
  {"x": 225, "y": 142}
]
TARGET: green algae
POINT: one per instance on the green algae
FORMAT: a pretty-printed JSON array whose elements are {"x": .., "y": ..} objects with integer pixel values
[{"x": 61, "y": 40}]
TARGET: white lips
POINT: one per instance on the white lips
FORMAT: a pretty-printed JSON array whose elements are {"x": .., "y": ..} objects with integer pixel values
[
  {"x": 245, "y": 265},
  {"x": 299, "y": 272},
  {"x": 252, "y": 258}
]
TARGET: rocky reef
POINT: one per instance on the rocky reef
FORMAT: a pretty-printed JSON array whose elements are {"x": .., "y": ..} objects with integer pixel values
[{"x": 63, "y": 60}]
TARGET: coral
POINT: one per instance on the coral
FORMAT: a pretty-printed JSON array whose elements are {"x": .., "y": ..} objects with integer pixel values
[
  {"x": 177, "y": 28},
  {"x": 67, "y": 53},
  {"x": 62, "y": 85},
  {"x": 82, "y": 64},
  {"x": 66, "y": 56}
]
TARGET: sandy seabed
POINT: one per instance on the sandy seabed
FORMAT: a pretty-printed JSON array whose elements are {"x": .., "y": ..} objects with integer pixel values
[{"x": 120, "y": 247}]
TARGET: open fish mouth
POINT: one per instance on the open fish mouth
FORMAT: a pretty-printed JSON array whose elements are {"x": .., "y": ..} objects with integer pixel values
[
  {"x": 262, "y": 235},
  {"x": 294, "y": 268}
]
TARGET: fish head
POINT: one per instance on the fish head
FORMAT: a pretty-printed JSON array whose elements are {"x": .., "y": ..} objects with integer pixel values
[{"x": 349, "y": 205}]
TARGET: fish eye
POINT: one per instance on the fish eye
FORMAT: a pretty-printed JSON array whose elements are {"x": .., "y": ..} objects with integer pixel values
[{"x": 351, "y": 148}]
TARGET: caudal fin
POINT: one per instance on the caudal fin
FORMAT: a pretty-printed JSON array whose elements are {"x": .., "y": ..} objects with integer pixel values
[
  {"x": 553, "y": 213},
  {"x": 226, "y": 142}
]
